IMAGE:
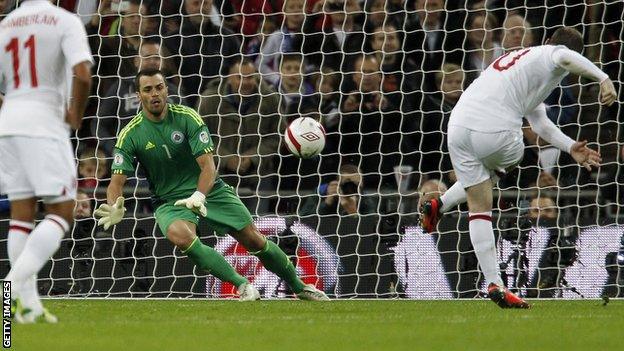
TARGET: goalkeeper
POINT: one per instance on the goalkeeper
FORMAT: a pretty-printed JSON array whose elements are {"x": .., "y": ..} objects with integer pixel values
[{"x": 173, "y": 145}]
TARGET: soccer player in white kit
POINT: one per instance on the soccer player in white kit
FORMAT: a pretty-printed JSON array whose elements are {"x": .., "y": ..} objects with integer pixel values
[
  {"x": 485, "y": 137},
  {"x": 41, "y": 46}
]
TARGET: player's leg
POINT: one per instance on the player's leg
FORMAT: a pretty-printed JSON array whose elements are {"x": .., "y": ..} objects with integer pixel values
[
  {"x": 481, "y": 231},
  {"x": 271, "y": 256},
  {"x": 50, "y": 171},
  {"x": 482, "y": 172},
  {"x": 229, "y": 215},
  {"x": 42, "y": 243},
  {"x": 276, "y": 261},
  {"x": 183, "y": 235},
  {"x": 20, "y": 227},
  {"x": 15, "y": 171}
]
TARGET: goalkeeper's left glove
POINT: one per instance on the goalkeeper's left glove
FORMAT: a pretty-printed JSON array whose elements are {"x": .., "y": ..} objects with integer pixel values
[
  {"x": 111, "y": 215},
  {"x": 194, "y": 203}
]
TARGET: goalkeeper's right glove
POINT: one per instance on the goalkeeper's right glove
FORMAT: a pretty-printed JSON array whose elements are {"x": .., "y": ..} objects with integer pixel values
[
  {"x": 194, "y": 203},
  {"x": 110, "y": 215}
]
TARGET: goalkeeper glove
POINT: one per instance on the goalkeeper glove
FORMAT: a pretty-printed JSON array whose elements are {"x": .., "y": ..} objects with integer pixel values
[
  {"x": 110, "y": 215},
  {"x": 194, "y": 203}
]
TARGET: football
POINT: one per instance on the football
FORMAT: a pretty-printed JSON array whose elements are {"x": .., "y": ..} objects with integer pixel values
[{"x": 305, "y": 137}]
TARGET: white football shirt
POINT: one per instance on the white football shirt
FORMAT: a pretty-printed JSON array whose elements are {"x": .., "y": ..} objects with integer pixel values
[
  {"x": 509, "y": 89},
  {"x": 39, "y": 45}
]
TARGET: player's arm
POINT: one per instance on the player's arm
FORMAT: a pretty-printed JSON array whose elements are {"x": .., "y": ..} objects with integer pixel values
[
  {"x": 208, "y": 173},
  {"x": 205, "y": 183},
  {"x": 576, "y": 63},
  {"x": 81, "y": 86},
  {"x": 547, "y": 130},
  {"x": 115, "y": 188}
]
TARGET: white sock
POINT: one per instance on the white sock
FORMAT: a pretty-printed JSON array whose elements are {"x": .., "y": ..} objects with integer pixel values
[
  {"x": 17, "y": 238},
  {"x": 482, "y": 237},
  {"x": 41, "y": 244},
  {"x": 453, "y": 197}
]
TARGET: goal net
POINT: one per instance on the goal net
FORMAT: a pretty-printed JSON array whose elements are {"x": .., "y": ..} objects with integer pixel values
[{"x": 382, "y": 76}]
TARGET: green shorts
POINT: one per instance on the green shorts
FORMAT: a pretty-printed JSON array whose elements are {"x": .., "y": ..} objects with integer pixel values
[{"x": 226, "y": 212}]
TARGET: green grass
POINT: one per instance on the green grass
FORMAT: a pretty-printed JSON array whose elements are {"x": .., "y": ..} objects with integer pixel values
[{"x": 338, "y": 325}]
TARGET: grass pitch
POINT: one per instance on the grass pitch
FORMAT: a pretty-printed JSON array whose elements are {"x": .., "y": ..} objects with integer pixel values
[{"x": 338, "y": 325}]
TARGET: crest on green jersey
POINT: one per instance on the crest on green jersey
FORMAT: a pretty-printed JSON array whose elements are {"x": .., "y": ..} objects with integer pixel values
[
  {"x": 203, "y": 137},
  {"x": 177, "y": 137},
  {"x": 118, "y": 160}
]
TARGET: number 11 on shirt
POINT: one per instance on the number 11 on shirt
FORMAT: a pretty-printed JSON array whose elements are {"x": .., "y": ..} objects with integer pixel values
[{"x": 13, "y": 48}]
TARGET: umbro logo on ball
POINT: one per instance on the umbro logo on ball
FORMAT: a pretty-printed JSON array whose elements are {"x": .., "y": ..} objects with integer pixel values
[{"x": 310, "y": 136}]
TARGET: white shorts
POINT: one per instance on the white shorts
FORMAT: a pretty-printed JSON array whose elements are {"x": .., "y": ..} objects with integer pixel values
[
  {"x": 478, "y": 156},
  {"x": 37, "y": 167}
]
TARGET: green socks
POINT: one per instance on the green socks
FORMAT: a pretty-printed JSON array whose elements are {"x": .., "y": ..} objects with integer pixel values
[
  {"x": 207, "y": 259},
  {"x": 276, "y": 261}
]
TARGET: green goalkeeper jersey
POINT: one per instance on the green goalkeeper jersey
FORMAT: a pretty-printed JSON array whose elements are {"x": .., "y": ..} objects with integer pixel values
[{"x": 167, "y": 151}]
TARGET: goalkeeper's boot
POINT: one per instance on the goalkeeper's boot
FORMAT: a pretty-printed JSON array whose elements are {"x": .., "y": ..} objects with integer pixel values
[
  {"x": 311, "y": 293},
  {"x": 248, "y": 292},
  {"x": 505, "y": 298},
  {"x": 430, "y": 215}
]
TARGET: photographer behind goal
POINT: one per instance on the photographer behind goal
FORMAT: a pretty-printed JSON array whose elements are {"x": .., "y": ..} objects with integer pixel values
[{"x": 560, "y": 252}]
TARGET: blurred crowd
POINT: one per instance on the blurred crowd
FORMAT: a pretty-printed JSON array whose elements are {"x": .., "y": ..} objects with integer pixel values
[{"x": 382, "y": 76}]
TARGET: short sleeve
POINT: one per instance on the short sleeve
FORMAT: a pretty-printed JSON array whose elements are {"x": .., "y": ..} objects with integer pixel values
[
  {"x": 200, "y": 140},
  {"x": 197, "y": 133},
  {"x": 74, "y": 42},
  {"x": 123, "y": 161}
]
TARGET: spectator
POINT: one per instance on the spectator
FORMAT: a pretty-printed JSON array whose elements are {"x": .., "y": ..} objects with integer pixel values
[
  {"x": 292, "y": 85},
  {"x": 287, "y": 38},
  {"x": 400, "y": 77},
  {"x": 4, "y": 6},
  {"x": 326, "y": 84},
  {"x": 120, "y": 103},
  {"x": 246, "y": 16},
  {"x": 202, "y": 50},
  {"x": 101, "y": 21},
  {"x": 372, "y": 132},
  {"x": 433, "y": 36},
  {"x": 517, "y": 33},
  {"x": 81, "y": 245},
  {"x": 114, "y": 55},
  {"x": 481, "y": 48},
  {"x": 375, "y": 15},
  {"x": 342, "y": 196},
  {"x": 253, "y": 44},
  {"x": 92, "y": 168},
  {"x": 436, "y": 110},
  {"x": 337, "y": 46},
  {"x": 243, "y": 115},
  {"x": 542, "y": 207}
]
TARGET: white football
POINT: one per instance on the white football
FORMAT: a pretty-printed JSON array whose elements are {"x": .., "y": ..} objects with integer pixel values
[{"x": 305, "y": 137}]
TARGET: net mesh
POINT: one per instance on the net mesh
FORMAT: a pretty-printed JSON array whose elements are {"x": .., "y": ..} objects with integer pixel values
[{"x": 382, "y": 76}]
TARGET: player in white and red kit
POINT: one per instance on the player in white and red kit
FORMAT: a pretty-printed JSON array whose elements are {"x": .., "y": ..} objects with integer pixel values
[
  {"x": 41, "y": 47},
  {"x": 485, "y": 137}
]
